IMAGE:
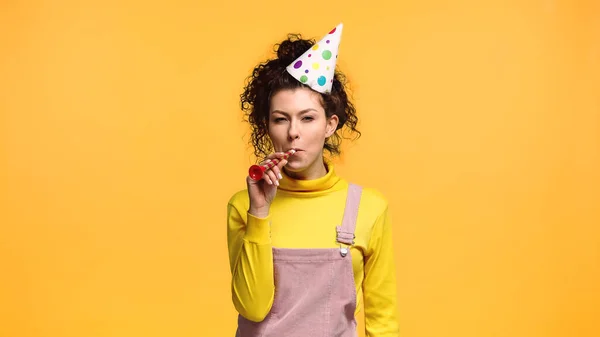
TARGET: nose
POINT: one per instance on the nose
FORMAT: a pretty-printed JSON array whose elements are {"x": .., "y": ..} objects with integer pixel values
[{"x": 293, "y": 131}]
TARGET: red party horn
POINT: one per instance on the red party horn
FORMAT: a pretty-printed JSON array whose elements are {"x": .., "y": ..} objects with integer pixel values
[{"x": 256, "y": 172}]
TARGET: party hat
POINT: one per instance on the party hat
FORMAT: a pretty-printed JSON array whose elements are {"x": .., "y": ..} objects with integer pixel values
[{"x": 316, "y": 67}]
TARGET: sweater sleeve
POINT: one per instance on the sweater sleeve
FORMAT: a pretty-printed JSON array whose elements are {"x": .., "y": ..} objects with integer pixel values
[
  {"x": 379, "y": 285},
  {"x": 251, "y": 263}
]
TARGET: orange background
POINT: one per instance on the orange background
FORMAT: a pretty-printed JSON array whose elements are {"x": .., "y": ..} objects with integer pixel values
[{"x": 122, "y": 140}]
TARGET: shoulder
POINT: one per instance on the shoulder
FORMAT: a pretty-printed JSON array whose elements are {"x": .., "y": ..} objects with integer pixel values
[
  {"x": 373, "y": 201},
  {"x": 372, "y": 212},
  {"x": 239, "y": 200}
]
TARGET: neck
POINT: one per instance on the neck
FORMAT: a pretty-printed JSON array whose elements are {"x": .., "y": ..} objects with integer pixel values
[
  {"x": 314, "y": 171},
  {"x": 324, "y": 183}
]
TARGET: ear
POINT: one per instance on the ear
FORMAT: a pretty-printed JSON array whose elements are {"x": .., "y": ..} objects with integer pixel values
[{"x": 332, "y": 123}]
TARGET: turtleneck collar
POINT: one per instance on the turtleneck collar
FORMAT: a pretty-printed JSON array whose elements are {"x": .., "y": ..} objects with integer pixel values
[{"x": 327, "y": 183}]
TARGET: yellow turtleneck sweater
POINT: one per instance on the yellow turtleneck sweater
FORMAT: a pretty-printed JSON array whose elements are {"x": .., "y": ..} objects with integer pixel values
[{"x": 304, "y": 214}]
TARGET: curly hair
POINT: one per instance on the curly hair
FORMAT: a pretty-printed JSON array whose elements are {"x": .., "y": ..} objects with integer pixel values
[{"x": 270, "y": 77}]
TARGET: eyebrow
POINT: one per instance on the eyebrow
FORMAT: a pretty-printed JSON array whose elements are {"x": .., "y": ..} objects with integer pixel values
[{"x": 301, "y": 112}]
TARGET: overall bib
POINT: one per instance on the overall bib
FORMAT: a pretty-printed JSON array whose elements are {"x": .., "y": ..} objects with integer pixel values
[{"x": 315, "y": 294}]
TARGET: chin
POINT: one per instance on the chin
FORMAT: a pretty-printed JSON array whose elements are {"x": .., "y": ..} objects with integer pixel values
[{"x": 296, "y": 166}]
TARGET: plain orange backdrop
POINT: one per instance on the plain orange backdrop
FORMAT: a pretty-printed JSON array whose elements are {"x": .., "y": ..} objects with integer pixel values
[{"x": 122, "y": 140}]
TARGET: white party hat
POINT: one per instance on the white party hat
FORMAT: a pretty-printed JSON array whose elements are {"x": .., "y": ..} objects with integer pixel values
[{"x": 316, "y": 67}]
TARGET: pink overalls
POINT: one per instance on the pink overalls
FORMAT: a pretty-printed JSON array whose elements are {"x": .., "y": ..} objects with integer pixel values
[{"x": 315, "y": 294}]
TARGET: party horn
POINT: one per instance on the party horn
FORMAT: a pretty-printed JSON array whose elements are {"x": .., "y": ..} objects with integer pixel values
[{"x": 256, "y": 172}]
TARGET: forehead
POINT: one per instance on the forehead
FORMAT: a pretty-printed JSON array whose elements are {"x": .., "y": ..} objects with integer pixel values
[{"x": 296, "y": 100}]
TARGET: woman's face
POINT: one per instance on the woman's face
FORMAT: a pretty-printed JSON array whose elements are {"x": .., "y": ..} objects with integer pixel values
[{"x": 297, "y": 120}]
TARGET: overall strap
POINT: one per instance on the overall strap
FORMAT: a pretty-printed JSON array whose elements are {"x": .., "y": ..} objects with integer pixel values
[{"x": 345, "y": 232}]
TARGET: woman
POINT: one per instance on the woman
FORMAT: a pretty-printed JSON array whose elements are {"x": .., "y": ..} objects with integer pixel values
[{"x": 303, "y": 254}]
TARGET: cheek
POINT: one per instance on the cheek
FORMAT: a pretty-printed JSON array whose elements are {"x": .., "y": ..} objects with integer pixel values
[
  {"x": 319, "y": 137},
  {"x": 324, "y": 132},
  {"x": 274, "y": 133}
]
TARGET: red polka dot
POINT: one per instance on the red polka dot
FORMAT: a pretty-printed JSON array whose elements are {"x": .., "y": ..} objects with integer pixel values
[{"x": 332, "y": 31}]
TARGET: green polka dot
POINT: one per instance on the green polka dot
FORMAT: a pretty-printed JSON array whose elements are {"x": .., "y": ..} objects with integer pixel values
[
  {"x": 326, "y": 54},
  {"x": 304, "y": 78}
]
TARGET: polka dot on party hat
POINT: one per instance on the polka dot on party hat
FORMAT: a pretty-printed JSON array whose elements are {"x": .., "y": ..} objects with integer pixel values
[{"x": 316, "y": 66}]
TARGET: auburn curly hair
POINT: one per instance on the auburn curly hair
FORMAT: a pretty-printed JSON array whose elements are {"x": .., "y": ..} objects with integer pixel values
[{"x": 270, "y": 76}]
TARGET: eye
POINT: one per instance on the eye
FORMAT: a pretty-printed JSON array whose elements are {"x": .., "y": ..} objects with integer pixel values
[
  {"x": 279, "y": 119},
  {"x": 308, "y": 118}
]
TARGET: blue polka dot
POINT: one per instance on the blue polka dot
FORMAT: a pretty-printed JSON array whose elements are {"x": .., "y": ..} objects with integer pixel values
[
  {"x": 306, "y": 71},
  {"x": 321, "y": 80}
]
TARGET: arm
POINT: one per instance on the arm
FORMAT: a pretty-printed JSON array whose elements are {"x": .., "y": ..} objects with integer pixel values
[
  {"x": 251, "y": 263},
  {"x": 379, "y": 285}
]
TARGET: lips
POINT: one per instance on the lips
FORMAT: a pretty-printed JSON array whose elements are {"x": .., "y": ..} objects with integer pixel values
[{"x": 295, "y": 152}]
